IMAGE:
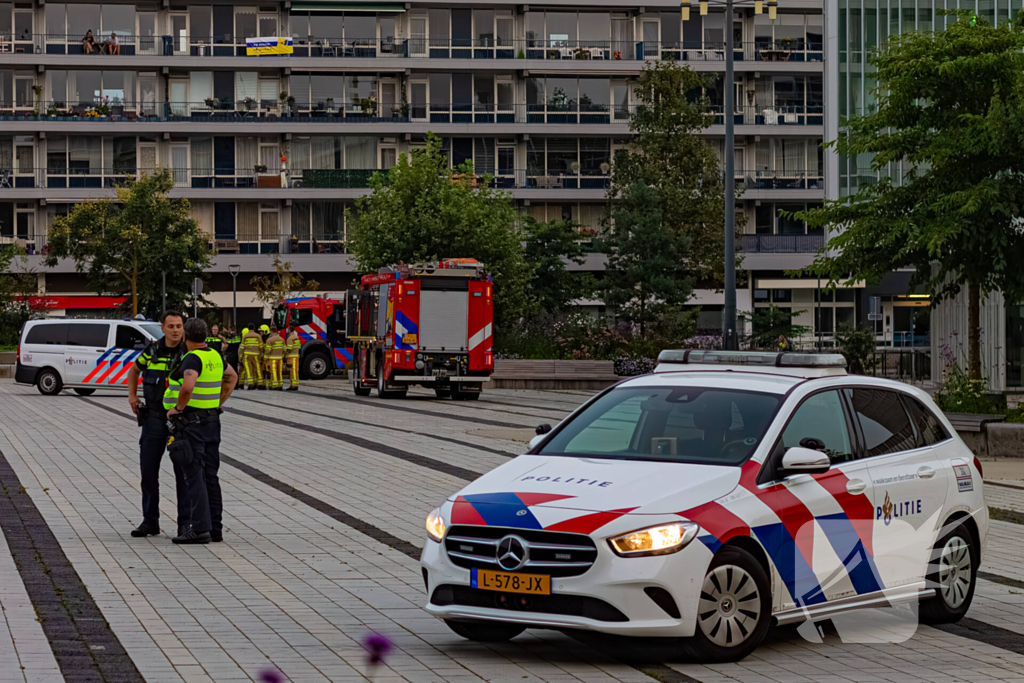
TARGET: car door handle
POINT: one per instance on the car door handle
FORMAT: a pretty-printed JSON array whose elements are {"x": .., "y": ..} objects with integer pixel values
[
  {"x": 856, "y": 486},
  {"x": 925, "y": 472}
]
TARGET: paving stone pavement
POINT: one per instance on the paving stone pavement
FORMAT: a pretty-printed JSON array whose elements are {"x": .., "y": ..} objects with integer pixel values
[{"x": 294, "y": 588}]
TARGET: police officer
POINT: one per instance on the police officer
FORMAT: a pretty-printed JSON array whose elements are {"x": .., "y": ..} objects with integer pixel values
[
  {"x": 275, "y": 350},
  {"x": 154, "y": 365},
  {"x": 196, "y": 390},
  {"x": 215, "y": 341},
  {"x": 231, "y": 346},
  {"x": 292, "y": 346},
  {"x": 252, "y": 352}
]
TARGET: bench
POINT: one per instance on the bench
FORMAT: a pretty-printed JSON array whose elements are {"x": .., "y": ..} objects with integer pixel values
[
  {"x": 586, "y": 375},
  {"x": 230, "y": 246}
]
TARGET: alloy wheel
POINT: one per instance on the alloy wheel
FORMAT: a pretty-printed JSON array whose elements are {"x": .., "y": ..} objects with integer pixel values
[
  {"x": 730, "y": 605},
  {"x": 955, "y": 571}
]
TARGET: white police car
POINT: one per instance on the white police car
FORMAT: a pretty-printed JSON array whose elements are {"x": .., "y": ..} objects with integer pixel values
[{"x": 727, "y": 492}]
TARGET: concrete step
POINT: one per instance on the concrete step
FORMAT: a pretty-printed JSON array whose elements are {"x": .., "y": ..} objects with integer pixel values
[
  {"x": 8, "y": 357},
  {"x": 6, "y": 371}
]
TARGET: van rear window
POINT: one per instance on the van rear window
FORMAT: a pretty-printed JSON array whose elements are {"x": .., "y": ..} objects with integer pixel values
[
  {"x": 88, "y": 334},
  {"x": 48, "y": 333}
]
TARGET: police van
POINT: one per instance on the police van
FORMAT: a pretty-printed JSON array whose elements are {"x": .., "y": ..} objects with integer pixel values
[{"x": 84, "y": 355}]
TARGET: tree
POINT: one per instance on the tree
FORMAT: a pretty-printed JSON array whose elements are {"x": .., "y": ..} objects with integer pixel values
[
  {"x": 550, "y": 247},
  {"x": 283, "y": 284},
  {"x": 680, "y": 167},
  {"x": 857, "y": 344},
  {"x": 127, "y": 243},
  {"x": 951, "y": 117},
  {"x": 423, "y": 211},
  {"x": 15, "y": 288},
  {"x": 767, "y": 323},
  {"x": 647, "y": 279}
]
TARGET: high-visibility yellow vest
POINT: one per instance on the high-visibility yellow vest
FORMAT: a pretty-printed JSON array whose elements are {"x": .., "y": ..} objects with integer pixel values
[{"x": 206, "y": 393}]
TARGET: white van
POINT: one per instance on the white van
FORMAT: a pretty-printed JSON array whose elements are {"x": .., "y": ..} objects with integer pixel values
[{"x": 83, "y": 355}]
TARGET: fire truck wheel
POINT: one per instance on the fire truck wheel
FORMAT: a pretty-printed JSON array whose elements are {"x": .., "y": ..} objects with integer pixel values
[
  {"x": 316, "y": 366},
  {"x": 443, "y": 392},
  {"x": 464, "y": 394},
  {"x": 360, "y": 390}
]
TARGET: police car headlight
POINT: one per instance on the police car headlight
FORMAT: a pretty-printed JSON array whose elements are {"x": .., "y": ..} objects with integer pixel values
[
  {"x": 435, "y": 525},
  {"x": 655, "y": 540}
]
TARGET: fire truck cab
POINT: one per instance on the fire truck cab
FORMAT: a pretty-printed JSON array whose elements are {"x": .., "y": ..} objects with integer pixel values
[
  {"x": 428, "y": 324},
  {"x": 320, "y": 323}
]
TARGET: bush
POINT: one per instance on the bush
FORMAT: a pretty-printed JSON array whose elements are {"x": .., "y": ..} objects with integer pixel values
[
  {"x": 961, "y": 394},
  {"x": 630, "y": 366},
  {"x": 856, "y": 344}
]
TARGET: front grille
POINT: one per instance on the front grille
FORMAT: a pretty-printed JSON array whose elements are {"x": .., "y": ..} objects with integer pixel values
[
  {"x": 554, "y": 553},
  {"x": 569, "y": 605}
]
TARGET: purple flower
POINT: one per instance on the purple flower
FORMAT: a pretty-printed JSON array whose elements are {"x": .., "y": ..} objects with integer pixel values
[
  {"x": 377, "y": 647},
  {"x": 271, "y": 676}
]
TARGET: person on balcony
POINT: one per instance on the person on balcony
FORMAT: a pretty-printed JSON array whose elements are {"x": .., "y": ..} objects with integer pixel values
[
  {"x": 113, "y": 47},
  {"x": 89, "y": 43}
]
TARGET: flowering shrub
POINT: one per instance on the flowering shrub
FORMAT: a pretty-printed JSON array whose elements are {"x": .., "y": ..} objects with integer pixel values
[
  {"x": 960, "y": 393},
  {"x": 629, "y": 366}
]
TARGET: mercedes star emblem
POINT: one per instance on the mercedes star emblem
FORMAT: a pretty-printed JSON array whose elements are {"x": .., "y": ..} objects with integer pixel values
[{"x": 512, "y": 553}]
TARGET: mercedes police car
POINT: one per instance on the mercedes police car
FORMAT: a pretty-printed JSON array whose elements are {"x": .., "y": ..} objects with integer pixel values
[{"x": 724, "y": 493}]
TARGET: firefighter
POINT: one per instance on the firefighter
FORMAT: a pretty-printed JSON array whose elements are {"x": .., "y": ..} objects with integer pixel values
[
  {"x": 215, "y": 341},
  {"x": 292, "y": 346},
  {"x": 252, "y": 352},
  {"x": 275, "y": 349},
  {"x": 154, "y": 365},
  {"x": 231, "y": 344},
  {"x": 196, "y": 390},
  {"x": 243, "y": 372}
]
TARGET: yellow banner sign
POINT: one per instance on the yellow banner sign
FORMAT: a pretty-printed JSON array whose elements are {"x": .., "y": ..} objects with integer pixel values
[{"x": 268, "y": 46}]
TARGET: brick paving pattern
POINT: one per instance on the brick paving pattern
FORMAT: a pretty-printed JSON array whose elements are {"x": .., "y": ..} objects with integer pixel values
[{"x": 298, "y": 586}]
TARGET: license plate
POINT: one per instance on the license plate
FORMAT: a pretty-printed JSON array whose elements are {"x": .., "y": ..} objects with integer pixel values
[
  {"x": 506, "y": 582},
  {"x": 441, "y": 372}
]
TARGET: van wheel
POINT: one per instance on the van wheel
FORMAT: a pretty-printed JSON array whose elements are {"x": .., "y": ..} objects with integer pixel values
[
  {"x": 953, "y": 574},
  {"x": 735, "y": 608},
  {"x": 485, "y": 632},
  {"x": 316, "y": 366},
  {"x": 49, "y": 382},
  {"x": 85, "y": 392}
]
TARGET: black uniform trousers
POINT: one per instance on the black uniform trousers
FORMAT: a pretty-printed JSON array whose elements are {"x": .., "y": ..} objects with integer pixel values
[
  {"x": 205, "y": 504},
  {"x": 152, "y": 444}
]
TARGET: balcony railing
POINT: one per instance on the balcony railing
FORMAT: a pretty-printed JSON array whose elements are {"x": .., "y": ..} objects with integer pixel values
[
  {"x": 781, "y": 180},
  {"x": 773, "y": 115},
  {"x": 781, "y": 244},
  {"x": 786, "y": 50}
]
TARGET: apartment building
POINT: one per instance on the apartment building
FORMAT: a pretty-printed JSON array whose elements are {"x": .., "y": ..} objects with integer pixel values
[{"x": 271, "y": 149}]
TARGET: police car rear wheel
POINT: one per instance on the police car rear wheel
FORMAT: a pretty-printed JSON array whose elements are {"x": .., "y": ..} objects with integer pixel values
[
  {"x": 952, "y": 573},
  {"x": 485, "y": 632},
  {"x": 735, "y": 608},
  {"x": 85, "y": 392},
  {"x": 49, "y": 383}
]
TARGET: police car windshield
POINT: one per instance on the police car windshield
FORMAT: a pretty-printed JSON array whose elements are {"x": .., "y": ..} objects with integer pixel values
[
  {"x": 153, "y": 329},
  {"x": 674, "y": 424}
]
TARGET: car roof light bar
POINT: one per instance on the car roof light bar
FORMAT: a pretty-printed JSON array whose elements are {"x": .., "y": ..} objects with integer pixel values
[{"x": 752, "y": 358}]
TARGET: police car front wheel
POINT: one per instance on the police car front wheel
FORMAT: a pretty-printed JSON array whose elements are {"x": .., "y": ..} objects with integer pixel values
[
  {"x": 735, "y": 608},
  {"x": 485, "y": 631}
]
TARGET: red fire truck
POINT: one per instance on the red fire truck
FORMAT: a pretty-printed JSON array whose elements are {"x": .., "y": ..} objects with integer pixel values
[
  {"x": 320, "y": 323},
  {"x": 428, "y": 324}
]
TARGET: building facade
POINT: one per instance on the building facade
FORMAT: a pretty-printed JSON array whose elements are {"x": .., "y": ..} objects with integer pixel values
[{"x": 271, "y": 149}]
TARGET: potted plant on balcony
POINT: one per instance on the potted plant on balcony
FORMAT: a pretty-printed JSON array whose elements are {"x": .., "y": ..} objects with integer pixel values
[
  {"x": 330, "y": 105},
  {"x": 582, "y": 53},
  {"x": 37, "y": 90},
  {"x": 260, "y": 168},
  {"x": 368, "y": 105},
  {"x": 250, "y": 103}
]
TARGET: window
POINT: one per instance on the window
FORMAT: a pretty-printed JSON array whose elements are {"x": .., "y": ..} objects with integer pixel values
[
  {"x": 820, "y": 418},
  {"x": 929, "y": 430},
  {"x": 674, "y": 424},
  {"x": 130, "y": 338},
  {"x": 88, "y": 334},
  {"x": 301, "y": 316},
  {"x": 883, "y": 421},
  {"x": 48, "y": 334}
]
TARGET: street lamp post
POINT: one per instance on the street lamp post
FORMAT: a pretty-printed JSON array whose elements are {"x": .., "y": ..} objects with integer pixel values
[
  {"x": 233, "y": 269},
  {"x": 730, "y": 339}
]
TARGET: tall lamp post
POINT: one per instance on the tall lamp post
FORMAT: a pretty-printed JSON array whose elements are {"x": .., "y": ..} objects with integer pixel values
[
  {"x": 730, "y": 340},
  {"x": 233, "y": 269}
]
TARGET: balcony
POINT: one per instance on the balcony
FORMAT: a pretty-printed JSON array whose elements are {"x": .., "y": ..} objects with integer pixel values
[
  {"x": 781, "y": 244},
  {"x": 783, "y": 51},
  {"x": 773, "y": 115}
]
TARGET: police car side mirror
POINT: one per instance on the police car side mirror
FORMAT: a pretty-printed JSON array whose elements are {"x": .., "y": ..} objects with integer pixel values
[
  {"x": 543, "y": 429},
  {"x": 799, "y": 460}
]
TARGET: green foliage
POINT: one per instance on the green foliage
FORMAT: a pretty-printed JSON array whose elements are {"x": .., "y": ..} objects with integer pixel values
[
  {"x": 768, "y": 323},
  {"x": 856, "y": 344},
  {"x": 283, "y": 284},
  {"x": 125, "y": 244},
  {"x": 649, "y": 275},
  {"x": 14, "y": 290},
  {"x": 681, "y": 167},
  {"x": 951, "y": 114},
  {"x": 961, "y": 394},
  {"x": 422, "y": 211},
  {"x": 549, "y": 246}
]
